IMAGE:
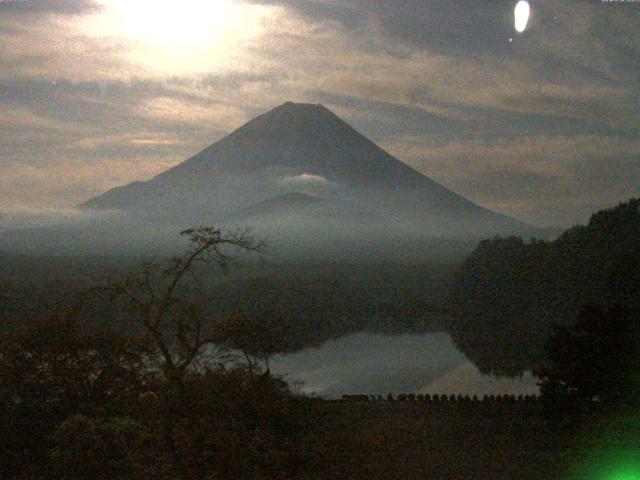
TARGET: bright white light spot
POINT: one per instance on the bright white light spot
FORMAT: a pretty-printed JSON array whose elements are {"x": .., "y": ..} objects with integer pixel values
[
  {"x": 166, "y": 22},
  {"x": 521, "y": 14},
  {"x": 179, "y": 36}
]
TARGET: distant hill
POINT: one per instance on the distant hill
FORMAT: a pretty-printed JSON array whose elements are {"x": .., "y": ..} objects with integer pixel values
[
  {"x": 288, "y": 204},
  {"x": 508, "y": 293},
  {"x": 259, "y": 172}
]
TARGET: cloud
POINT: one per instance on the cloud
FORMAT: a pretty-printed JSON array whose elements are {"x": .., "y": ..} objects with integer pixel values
[
  {"x": 308, "y": 183},
  {"x": 21, "y": 216},
  {"x": 544, "y": 179},
  {"x": 438, "y": 24}
]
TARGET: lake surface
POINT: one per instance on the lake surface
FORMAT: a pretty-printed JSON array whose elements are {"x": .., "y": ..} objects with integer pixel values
[{"x": 382, "y": 364}]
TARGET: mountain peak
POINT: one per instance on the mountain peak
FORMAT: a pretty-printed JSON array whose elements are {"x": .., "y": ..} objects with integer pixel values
[
  {"x": 298, "y": 138},
  {"x": 290, "y": 140},
  {"x": 289, "y": 114},
  {"x": 294, "y": 106}
]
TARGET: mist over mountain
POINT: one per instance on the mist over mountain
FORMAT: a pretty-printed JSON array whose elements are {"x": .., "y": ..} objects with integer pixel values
[{"x": 300, "y": 176}]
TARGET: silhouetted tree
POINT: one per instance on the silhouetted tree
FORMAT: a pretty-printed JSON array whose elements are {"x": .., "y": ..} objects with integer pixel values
[{"x": 173, "y": 321}]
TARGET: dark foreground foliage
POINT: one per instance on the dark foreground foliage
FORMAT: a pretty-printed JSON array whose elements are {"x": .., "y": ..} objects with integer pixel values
[
  {"x": 149, "y": 401},
  {"x": 77, "y": 404}
]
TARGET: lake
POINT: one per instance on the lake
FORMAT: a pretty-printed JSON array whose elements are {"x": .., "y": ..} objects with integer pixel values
[{"x": 382, "y": 364}]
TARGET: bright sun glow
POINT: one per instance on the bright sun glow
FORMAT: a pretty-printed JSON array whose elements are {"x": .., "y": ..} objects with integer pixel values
[
  {"x": 178, "y": 36},
  {"x": 521, "y": 14},
  {"x": 170, "y": 22}
]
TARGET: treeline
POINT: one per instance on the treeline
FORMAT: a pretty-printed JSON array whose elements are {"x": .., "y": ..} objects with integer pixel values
[
  {"x": 508, "y": 293},
  {"x": 310, "y": 307},
  {"x": 307, "y": 303}
]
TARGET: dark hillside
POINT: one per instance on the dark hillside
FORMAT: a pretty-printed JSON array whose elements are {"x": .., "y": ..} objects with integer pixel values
[{"x": 509, "y": 293}]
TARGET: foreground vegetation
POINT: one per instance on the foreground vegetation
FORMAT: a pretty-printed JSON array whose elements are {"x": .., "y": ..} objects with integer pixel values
[
  {"x": 96, "y": 415},
  {"x": 150, "y": 401},
  {"x": 92, "y": 414}
]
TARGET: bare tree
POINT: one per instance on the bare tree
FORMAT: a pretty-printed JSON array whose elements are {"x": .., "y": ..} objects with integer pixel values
[{"x": 158, "y": 303}]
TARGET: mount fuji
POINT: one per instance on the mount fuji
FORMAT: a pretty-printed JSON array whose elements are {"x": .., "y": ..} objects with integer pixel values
[{"x": 300, "y": 176}]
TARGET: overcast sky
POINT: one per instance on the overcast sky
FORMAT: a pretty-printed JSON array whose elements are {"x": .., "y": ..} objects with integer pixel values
[{"x": 542, "y": 125}]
